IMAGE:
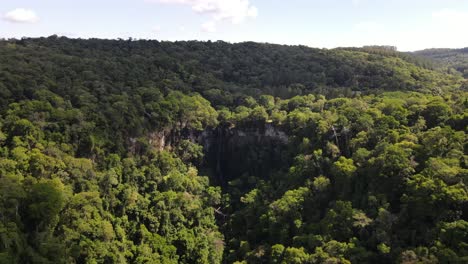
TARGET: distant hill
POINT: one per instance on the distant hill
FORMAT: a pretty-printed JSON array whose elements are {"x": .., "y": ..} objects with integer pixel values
[
  {"x": 217, "y": 70},
  {"x": 450, "y": 58}
]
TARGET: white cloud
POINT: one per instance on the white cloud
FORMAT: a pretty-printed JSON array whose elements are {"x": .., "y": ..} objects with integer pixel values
[
  {"x": 156, "y": 29},
  {"x": 439, "y": 29},
  {"x": 451, "y": 16},
  {"x": 209, "y": 27},
  {"x": 357, "y": 2},
  {"x": 236, "y": 11},
  {"x": 447, "y": 28},
  {"x": 367, "y": 26},
  {"x": 21, "y": 15}
]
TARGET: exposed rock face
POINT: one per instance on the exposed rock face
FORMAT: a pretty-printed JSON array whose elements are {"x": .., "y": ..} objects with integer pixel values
[
  {"x": 227, "y": 148},
  {"x": 158, "y": 139},
  {"x": 235, "y": 150}
]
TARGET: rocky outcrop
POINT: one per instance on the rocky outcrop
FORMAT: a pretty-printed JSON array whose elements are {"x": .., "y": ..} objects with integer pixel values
[
  {"x": 228, "y": 149},
  {"x": 231, "y": 150}
]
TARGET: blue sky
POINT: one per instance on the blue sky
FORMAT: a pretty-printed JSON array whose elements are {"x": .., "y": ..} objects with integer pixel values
[{"x": 407, "y": 24}]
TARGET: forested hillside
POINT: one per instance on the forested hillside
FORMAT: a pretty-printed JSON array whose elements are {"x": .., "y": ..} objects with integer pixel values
[
  {"x": 123, "y": 151},
  {"x": 456, "y": 59}
]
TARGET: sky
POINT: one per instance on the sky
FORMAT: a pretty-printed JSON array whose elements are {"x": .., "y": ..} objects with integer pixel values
[{"x": 407, "y": 24}]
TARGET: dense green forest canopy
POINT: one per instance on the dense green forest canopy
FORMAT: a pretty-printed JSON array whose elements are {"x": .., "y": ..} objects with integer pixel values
[
  {"x": 124, "y": 151},
  {"x": 456, "y": 59}
]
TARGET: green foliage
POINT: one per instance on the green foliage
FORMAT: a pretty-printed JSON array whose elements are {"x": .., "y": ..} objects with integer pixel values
[
  {"x": 307, "y": 159},
  {"x": 447, "y": 59}
]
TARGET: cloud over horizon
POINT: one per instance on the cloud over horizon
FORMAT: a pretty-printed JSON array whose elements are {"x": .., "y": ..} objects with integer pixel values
[
  {"x": 451, "y": 16},
  {"x": 235, "y": 11},
  {"x": 21, "y": 15},
  {"x": 367, "y": 26},
  {"x": 209, "y": 27}
]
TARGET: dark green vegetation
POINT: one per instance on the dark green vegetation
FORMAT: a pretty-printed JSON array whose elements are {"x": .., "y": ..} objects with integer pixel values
[
  {"x": 449, "y": 59},
  {"x": 311, "y": 156}
]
